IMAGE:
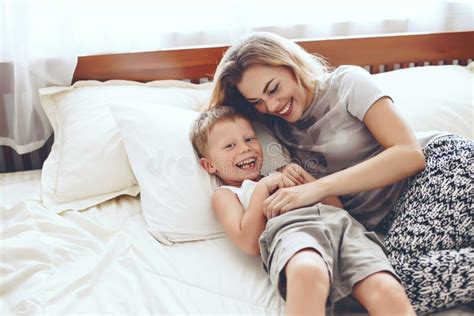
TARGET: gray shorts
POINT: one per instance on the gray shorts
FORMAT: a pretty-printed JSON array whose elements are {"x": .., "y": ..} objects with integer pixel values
[{"x": 351, "y": 252}]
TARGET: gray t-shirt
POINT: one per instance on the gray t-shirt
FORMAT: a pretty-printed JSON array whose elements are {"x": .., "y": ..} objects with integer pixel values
[{"x": 331, "y": 136}]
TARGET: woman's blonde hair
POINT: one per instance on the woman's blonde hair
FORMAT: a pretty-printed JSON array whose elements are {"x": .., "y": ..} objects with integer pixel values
[{"x": 264, "y": 49}]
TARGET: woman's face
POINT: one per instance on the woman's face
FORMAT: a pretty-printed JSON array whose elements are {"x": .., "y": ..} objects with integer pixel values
[{"x": 274, "y": 90}]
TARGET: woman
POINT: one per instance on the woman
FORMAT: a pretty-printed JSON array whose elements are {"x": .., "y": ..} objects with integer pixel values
[{"x": 339, "y": 125}]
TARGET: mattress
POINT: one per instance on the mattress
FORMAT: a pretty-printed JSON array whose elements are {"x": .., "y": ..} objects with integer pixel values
[{"x": 102, "y": 261}]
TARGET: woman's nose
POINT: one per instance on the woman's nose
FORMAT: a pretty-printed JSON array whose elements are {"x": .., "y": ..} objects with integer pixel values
[{"x": 272, "y": 104}]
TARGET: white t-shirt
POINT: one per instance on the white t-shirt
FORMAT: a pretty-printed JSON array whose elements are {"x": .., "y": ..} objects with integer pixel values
[{"x": 244, "y": 192}]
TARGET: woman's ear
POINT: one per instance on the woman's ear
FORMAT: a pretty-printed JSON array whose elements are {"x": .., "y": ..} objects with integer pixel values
[{"x": 207, "y": 165}]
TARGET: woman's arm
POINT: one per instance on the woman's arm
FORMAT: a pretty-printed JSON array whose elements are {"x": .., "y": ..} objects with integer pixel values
[
  {"x": 401, "y": 158},
  {"x": 330, "y": 200}
]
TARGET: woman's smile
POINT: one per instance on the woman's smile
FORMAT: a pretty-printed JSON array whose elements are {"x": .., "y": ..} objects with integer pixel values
[
  {"x": 286, "y": 111},
  {"x": 274, "y": 90}
]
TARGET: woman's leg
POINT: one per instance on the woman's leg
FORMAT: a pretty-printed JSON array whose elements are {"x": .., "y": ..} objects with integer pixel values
[
  {"x": 430, "y": 241},
  {"x": 307, "y": 280}
]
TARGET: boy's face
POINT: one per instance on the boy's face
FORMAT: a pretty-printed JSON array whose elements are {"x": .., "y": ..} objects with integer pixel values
[{"x": 233, "y": 152}]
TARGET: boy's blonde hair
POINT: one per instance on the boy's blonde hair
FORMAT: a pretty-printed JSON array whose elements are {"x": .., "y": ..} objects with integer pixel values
[
  {"x": 264, "y": 49},
  {"x": 206, "y": 122}
]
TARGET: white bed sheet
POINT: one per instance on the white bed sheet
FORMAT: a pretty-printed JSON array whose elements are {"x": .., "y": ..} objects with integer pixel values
[{"x": 103, "y": 261}]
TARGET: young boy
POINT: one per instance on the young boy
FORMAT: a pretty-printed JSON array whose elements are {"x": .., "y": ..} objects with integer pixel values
[{"x": 310, "y": 253}]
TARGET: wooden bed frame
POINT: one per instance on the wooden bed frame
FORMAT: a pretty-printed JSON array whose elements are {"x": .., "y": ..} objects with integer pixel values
[
  {"x": 196, "y": 63},
  {"x": 376, "y": 53}
]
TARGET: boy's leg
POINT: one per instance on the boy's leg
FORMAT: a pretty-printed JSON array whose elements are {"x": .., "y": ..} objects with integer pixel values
[
  {"x": 362, "y": 268},
  {"x": 381, "y": 294},
  {"x": 308, "y": 284}
]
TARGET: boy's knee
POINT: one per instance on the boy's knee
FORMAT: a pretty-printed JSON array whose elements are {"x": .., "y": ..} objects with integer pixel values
[
  {"x": 307, "y": 265},
  {"x": 386, "y": 280},
  {"x": 381, "y": 293},
  {"x": 384, "y": 283}
]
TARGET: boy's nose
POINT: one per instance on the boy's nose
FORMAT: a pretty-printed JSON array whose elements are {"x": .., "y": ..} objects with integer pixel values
[{"x": 244, "y": 147}]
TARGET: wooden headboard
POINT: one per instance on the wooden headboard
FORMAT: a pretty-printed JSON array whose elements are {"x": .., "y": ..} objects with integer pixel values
[
  {"x": 376, "y": 53},
  {"x": 385, "y": 52}
]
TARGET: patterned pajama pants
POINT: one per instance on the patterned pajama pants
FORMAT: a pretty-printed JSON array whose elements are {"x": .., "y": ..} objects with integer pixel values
[{"x": 429, "y": 232}]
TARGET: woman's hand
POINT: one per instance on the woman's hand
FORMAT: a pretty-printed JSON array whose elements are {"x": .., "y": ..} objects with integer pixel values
[{"x": 287, "y": 199}]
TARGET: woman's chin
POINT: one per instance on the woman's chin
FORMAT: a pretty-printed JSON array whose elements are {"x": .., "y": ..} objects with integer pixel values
[{"x": 292, "y": 118}]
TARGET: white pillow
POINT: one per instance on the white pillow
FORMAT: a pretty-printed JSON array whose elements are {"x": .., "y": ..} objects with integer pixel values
[
  {"x": 88, "y": 163},
  {"x": 175, "y": 190},
  {"x": 433, "y": 97}
]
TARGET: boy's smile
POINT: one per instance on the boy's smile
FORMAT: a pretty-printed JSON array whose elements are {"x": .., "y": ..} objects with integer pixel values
[{"x": 233, "y": 152}]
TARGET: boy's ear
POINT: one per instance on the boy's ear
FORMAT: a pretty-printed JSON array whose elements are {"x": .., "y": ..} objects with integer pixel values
[{"x": 207, "y": 165}]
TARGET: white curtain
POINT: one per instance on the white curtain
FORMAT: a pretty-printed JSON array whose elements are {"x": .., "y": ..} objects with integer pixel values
[{"x": 40, "y": 40}]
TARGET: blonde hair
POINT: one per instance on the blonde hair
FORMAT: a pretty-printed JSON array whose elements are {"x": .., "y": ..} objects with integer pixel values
[
  {"x": 265, "y": 49},
  {"x": 206, "y": 122}
]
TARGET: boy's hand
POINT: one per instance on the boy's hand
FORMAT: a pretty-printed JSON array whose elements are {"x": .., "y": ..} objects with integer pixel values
[
  {"x": 274, "y": 182},
  {"x": 293, "y": 174}
]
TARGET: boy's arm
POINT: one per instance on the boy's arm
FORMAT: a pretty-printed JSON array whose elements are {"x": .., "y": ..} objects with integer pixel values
[
  {"x": 298, "y": 173},
  {"x": 243, "y": 227}
]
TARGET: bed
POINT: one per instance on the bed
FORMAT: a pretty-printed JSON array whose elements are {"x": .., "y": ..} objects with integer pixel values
[{"x": 70, "y": 252}]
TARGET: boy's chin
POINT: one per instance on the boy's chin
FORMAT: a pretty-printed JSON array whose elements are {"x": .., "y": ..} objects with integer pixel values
[{"x": 250, "y": 175}]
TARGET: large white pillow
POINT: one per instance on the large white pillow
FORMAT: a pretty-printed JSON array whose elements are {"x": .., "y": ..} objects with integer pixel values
[
  {"x": 433, "y": 97},
  {"x": 88, "y": 163},
  {"x": 175, "y": 191}
]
